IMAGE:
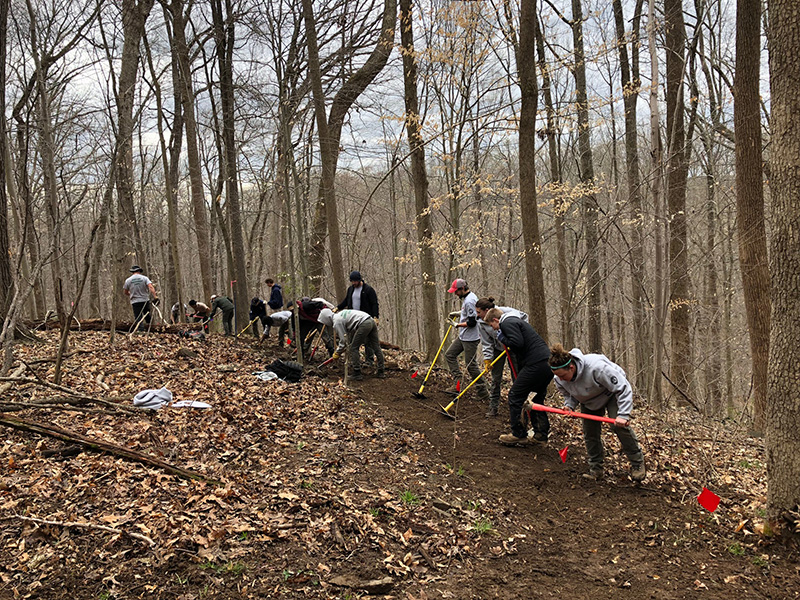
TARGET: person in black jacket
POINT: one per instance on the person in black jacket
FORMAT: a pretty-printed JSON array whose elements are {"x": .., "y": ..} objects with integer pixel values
[
  {"x": 258, "y": 310},
  {"x": 275, "y": 301},
  {"x": 361, "y": 296},
  {"x": 530, "y": 356}
]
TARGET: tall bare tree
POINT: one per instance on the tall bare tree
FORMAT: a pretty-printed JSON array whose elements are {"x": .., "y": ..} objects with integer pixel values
[
  {"x": 329, "y": 130},
  {"x": 529, "y": 92},
  {"x": 750, "y": 195},
  {"x": 677, "y": 173},
  {"x": 783, "y": 406},
  {"x": 419, "y": 176}
]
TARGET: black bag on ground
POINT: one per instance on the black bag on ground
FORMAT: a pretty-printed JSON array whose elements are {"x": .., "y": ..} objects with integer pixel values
[{"x": 288, "y": 370}]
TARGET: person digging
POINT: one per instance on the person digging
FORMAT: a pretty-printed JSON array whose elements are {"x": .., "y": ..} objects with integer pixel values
[
  {"x": 599, "y": 386},
  {"x": 360, "y": 329},
  {"x": 530, "y": 355}
]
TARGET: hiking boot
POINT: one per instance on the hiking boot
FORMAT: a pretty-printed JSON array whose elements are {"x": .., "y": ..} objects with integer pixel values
[
  {"x": 540, "y": 437},
  {"x": 381, "y": 374},
  {"x": 509, "y": 439},
  {"x": 492, "y": 412},
  {"x": 595, "y": 474},
  {"x": 357, "y": 376},
  {"x": 638, "y": 472}
]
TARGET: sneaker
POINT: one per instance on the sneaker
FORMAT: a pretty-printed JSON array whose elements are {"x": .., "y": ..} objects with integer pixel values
[
  {"x": 595, "y": 473},
  {"x": 357, "y": 376},
  {"x": 638, "y": 472},
  {"x": 509, "y": 439},
  {"x": 492, "y": 412}
]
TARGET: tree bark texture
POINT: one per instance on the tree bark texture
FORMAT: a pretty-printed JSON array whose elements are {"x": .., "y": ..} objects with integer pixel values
[
  {"x": 753, "y": 260},
  {"x": 529, "y": 91},
  {"x": 419, "y": 176},
  {"x": 588, "y": 198},
  {"x": 783, "y": 400},
  {"x": 6, "y": 281},
  {"x": 224, "y": 36}
]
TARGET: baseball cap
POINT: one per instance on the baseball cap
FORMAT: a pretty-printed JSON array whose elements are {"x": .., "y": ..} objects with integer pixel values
[
  {"x": 457, "y": 285},
  {"x": 356, "y": 276}
]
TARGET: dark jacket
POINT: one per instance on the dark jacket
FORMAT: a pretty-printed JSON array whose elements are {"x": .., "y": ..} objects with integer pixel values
[
  {"x": 257, "y": 309},
  {"x": 310, "y": 309},
  {"x": 222, "y": 303},
  {"x": 369, "y": 300},
  {"x": 527, "y": 347},
  {"x": 276, "y": 297}
]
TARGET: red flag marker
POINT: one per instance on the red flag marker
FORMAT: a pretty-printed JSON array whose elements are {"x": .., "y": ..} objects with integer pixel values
[
  {"x": 415, "y": 374},
  {"x": 288, "y": 342},
  {"x": 458, "y": 386},
  {"x": 708, "y": 500},
  {"x": 563, "y": 454}
]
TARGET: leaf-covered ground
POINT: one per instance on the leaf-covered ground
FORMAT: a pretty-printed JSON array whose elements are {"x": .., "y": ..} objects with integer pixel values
[{"x": 334, "y": 492}]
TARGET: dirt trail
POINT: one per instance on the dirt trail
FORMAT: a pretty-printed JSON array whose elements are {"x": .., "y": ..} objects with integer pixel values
[{"x": 585, "y": 539}]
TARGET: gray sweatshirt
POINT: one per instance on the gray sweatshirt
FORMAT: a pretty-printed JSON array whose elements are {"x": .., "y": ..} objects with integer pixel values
[
  {"x": 489, "y": 342},
  {"x": 347, "y": 321},
  {"x": 596, "y": 380}
]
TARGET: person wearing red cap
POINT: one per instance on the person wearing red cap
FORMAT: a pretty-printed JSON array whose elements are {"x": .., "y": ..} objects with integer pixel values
[{"x": 468, "y": 340}]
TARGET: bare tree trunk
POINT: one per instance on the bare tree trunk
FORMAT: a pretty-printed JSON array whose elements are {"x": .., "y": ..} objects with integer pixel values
[
  {"x": 677, "y": 173},
  {"x": 6, "y": 280},
  {"x": 224, "y": 36},
  {"x": 330, "y": 130},
  {"x": 589, "y": 199},
  {"x": 180, "y": 47},
  {"x": 659, "y": 296},
  {"x": 565, "y": 295},
  {"x": 134, "y": 17},
  {"x": 629, "y": 69},
  {"x": 782, "y": 441},
  {"x": 529, "y": 92},
  {"x": 419, "y": 177},
  {"x": 753, "y": 259}
]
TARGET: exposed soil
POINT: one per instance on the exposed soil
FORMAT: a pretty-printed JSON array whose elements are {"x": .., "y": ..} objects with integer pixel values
[{"x": 327, "y": 488}]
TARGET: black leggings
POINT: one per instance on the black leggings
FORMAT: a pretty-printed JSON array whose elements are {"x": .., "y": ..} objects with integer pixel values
[{"x": 530, "y": 378}]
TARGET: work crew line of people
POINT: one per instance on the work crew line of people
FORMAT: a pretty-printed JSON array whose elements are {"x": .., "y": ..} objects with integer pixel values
[{"x": 589, "y": 381}]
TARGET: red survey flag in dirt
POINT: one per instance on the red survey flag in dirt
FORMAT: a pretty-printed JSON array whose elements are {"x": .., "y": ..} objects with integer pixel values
[
  {"x": 415, "y": 374},
  {"x": 563, "y": 454},
  {"x": 708, "y": 500},
  {"x": 458, "y": 385}
]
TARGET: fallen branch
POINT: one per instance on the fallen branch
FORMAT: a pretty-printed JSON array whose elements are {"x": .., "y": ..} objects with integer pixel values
[
  {"x": 70, "y": 392},
  {"x": 68, "y": 524},
  {"x": 100, "y": 446},
  {"x": 681, "y": 392}
]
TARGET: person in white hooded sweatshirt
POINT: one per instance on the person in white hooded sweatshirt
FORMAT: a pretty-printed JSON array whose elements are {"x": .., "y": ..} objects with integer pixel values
[
  {"x": 599, "y": 386},
  {"x": 354, "y": 328}
]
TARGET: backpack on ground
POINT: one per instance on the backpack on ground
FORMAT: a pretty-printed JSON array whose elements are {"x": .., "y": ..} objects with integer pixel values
[{"x": 288, "y": 370}]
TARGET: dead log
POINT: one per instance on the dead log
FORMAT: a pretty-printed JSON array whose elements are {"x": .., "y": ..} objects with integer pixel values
[
  {"x": 99, "y": 446},
  {"x": 123, "y": 326}
]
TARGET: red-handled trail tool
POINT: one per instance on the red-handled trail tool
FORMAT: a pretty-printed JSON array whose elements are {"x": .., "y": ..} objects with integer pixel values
[
  {"x": 419, "y": 393},
  {"x": 569, "y": 413},
  {"x": 447, "y": 408},
  {"x": 330, "y": 360}
]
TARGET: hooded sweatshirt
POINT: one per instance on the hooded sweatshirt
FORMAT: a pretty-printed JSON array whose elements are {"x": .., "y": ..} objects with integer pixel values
[
  {"x": 489, "y": 341},
  {"x": 596, "y": 380},
  {"x": 343, "y": 322}
]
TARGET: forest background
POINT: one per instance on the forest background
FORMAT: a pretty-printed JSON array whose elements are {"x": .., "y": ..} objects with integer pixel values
[{"x": 598, "y": 164}]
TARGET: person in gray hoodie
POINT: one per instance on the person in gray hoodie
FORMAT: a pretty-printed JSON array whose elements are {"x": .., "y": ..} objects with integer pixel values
[
  {"x": 600, "y": 387},
  {"x": 467, "y": 342},
  {"x": 491, "y": 348},
  {"x": 355, "y": 328}
]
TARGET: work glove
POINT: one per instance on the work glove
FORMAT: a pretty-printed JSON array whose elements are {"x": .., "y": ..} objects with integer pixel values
[
  {"x": 156, "y": 301},
  {"x": 455, "y": 314},
  {"x": 375, "y": 319},
  {"x": 487, "y": 364},
  {"x": 336, "y": 356}
]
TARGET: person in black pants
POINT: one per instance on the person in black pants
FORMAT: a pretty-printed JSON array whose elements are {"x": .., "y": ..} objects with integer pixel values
[
  {"x": 530, "y": 356},
  {"x": 361, "y": 296}
]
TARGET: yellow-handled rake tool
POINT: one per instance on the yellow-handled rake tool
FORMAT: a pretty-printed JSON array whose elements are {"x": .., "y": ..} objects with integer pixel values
[
  {"x": 419, "y": 393},
  {"x": 447, "y": 408}
]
